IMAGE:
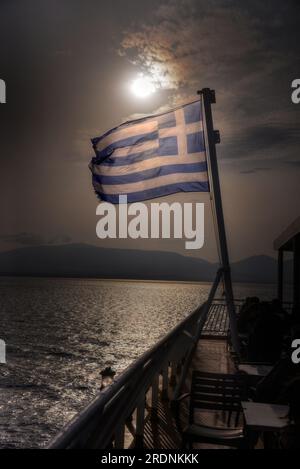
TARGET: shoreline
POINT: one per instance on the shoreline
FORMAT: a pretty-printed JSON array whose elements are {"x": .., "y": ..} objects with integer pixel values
[{"x": 125, "y": 280}]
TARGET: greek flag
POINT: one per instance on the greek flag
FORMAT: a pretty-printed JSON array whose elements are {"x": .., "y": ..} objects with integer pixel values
[{"x": 152, "y": 157}]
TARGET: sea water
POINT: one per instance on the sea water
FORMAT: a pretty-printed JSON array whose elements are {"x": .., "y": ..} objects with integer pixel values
[{"x": 60, "y": 333}]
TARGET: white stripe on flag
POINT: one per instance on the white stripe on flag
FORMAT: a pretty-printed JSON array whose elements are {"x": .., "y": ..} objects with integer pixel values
[{"x": 139, "y": 148}]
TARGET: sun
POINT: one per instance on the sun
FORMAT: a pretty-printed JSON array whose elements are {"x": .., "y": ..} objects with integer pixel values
[{"x": 142, "y": 87}]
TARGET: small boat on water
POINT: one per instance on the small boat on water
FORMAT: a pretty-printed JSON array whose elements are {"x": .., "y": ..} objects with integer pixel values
[{"x": 192, "y": 389}]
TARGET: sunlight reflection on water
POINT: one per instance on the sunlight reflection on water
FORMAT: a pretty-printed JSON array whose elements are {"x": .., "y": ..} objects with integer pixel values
[{"x": 60, "y": 333}]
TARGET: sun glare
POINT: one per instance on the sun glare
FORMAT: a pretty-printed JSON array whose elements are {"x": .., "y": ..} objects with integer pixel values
[{"x": 142, "y": 87}]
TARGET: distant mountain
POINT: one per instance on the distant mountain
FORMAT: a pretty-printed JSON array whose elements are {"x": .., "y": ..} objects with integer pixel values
[
  {"x": 81, "y": 260},
  {"x": 259, "y": 269}
]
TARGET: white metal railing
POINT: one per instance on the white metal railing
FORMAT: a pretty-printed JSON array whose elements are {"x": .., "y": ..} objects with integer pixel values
[{"x": 122, "y": 405}]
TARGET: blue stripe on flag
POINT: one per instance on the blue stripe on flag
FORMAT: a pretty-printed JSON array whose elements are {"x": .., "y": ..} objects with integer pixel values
[
  {"x": 128, "y": 142},
  {"x": 155, "y": 192},
  {"x": 151, "y": 173},
  {"x": 130, "y": 159}
]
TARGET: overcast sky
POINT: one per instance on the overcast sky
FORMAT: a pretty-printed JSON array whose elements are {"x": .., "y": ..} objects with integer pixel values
[{"x": 68, "y": 66}]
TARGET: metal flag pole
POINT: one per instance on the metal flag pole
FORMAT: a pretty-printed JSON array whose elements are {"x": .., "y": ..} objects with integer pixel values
[{"x": 212, "y": 137}]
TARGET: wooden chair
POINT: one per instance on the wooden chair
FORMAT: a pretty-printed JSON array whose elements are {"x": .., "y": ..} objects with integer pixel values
[{"x": 215, "y": 392}]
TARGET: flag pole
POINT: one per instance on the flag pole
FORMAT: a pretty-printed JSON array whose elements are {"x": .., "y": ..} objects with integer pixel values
[{"x": 213, "y": 137}]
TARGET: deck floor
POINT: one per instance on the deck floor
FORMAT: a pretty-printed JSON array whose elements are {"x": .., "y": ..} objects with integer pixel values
[{"x": 161, "y": 432}]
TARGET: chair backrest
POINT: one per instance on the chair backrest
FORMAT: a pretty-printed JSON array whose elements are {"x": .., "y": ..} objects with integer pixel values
[{"x": 215, "y": 391}]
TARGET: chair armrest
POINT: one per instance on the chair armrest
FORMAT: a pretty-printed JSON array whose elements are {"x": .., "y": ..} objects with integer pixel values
[{"x": 245, "y": 362}]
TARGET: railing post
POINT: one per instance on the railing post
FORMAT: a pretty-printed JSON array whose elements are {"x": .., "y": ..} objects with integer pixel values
[
  {"x": 165, "y": 382},
  {"x": 140, "y": 422},
  {"x": 173, "y": 379},
  {"x": 119, "y": 436},
  {"x": 154, "y": 395}
]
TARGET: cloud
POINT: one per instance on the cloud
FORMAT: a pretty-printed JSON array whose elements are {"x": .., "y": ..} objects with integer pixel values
[
  {"x": 263, "y": 141},
  {"x": 188, "y": 41},
  {"x": 31, "y": 239},
  {"x": 247, "y": 51}
]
